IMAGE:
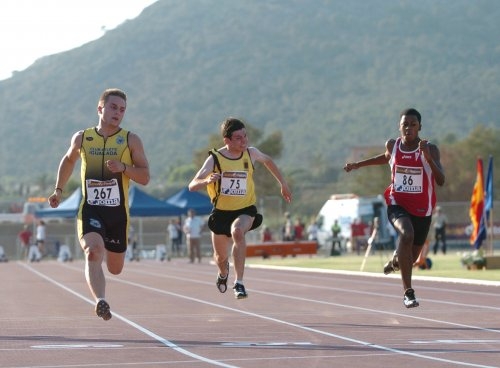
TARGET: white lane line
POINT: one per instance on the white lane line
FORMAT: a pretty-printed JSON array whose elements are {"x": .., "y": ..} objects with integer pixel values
[
  {"x": 454, "y": 342},
  {"x": 359, "y": 342},
  {"x": 449, "y": 280},
  {"x": 309, "y": 329},
  {"x": 347, "y": 306},
  {"x": 392, "y": 296},
  {"x": 76, "y": 346},
  {"x": 131, "y": 323}
]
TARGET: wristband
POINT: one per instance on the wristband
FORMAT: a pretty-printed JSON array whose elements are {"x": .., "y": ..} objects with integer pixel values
[
  {"x": 55, "y": 190},
  {"x": 124, "y": 168}
]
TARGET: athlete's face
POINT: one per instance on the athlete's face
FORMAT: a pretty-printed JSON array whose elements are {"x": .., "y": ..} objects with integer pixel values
[
  {"x": 113, "y": 111},
  {"x": 409, "y": 126},
  {"x": 238, "y": 140}
]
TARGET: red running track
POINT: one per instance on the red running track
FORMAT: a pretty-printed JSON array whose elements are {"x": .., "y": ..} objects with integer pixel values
[{"x": 170, "y": 314}]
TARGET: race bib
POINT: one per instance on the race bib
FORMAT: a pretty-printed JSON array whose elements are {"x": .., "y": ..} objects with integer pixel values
[
  {"x": 408, "y": 179},
  {"x": 234, "y": 183},
  {"x": 103, "y": 193}
]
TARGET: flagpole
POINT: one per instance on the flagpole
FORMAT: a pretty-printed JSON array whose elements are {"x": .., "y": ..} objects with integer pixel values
[
  {"x": 491, "y": 233},
  {"x": 488, "y": 205}
]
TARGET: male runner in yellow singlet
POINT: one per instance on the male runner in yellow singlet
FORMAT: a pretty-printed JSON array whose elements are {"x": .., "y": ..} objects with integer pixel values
[
  {"x": 228, "y": 176},
  {"x": 111, "y": 157}
]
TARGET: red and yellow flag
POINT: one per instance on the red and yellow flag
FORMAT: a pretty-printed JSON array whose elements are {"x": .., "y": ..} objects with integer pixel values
[{"x": 476, "y": 211}]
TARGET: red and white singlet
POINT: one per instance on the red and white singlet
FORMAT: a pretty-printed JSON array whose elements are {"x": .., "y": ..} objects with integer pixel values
[{"x": 412, "y": 182}]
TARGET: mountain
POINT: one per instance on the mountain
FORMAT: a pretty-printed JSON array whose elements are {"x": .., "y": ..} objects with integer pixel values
[{"x": 329, "y": 74}]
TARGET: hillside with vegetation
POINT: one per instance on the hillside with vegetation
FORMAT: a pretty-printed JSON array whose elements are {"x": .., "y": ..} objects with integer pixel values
[{"x": 322, "y": 76}]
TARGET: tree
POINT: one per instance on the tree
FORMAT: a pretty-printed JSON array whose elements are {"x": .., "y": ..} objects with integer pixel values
[{"x": 459, "y": 162}]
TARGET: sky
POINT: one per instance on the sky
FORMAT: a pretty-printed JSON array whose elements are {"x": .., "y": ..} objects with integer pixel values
[{"x": 30, "y": 29}]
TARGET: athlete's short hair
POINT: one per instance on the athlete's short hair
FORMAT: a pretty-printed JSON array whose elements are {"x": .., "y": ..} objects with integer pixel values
[
  {"x": 229, "y": 126},
  {"x": 413, "y": 112},
  {"x": 111, "y": 92}
]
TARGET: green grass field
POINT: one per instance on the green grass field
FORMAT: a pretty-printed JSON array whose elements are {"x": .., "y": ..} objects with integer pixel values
[{"x": 442, "y": 265}]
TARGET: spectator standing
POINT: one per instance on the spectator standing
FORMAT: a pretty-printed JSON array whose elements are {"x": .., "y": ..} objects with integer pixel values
[
  {"x": 312, "y": 230},
  {"x": 41, "y": 234},
  {"x": 132, "y": 243},
  {"x": 440, "y": 221},
  {"x": 288, "y": 228},
  {"x": 298, "y": 229},
  {"x": 336, "y": 239},
  {"x": 192, "y": 228},
  {"x": 25, "y": 240},
  {"x": 358, "y": 234},
  {"x": 174, "y": 235}
]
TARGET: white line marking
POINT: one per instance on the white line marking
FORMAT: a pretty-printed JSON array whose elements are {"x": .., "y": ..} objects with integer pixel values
[
  {"x": 309, "y": 329},
  {"x": 245, "y": 344},
  {"x": 133, "y": 324},
  {"x": 433, "y": 342},
  {"x": 346, "y": 305},
  {"x": 340, "y": 337},
  {"x": 378, "y": 275},
  {"x": 77, "y": 346}
]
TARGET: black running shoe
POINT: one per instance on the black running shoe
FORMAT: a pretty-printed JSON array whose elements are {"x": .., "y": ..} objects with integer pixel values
[
  {"x": 391, "y": 266},
  {"x": 409, "y": 299},
  {"x": 102, "y": 310},
  {"x": 388, "y": 268},
  {"x": 222, "y": 281},
  {"x": 239, "y": 291}
]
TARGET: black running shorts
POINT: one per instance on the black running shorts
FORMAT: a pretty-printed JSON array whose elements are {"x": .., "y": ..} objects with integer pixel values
[
  {"x": 110, "y": 223},
  {"x": 421, "y": 225},
  {"x": 220, "y": 221}
]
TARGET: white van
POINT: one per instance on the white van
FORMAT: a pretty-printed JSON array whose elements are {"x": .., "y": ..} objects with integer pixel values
[{"x": 345, "y": 208}]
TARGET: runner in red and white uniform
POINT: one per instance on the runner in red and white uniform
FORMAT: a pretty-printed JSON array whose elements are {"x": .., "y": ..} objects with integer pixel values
[{"x": 411, "y": 198}]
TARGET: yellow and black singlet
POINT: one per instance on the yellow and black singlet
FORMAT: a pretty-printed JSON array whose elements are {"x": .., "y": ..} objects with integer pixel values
[
  {"x": 235, "y": 190},
  {"x": 104, "y": 194}
]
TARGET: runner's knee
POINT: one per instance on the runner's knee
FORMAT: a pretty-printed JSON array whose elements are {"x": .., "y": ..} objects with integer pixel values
[
  {"x": 407, "y": 237},
  {"x": 220, "y": 260},
  {"x": 115, "y": 269},
  {"x": 94, "y": 252},
  {"x": 237, "y": 233}
]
